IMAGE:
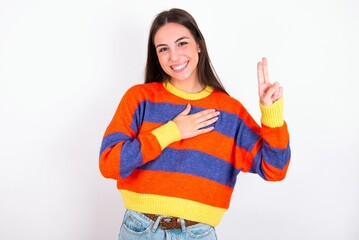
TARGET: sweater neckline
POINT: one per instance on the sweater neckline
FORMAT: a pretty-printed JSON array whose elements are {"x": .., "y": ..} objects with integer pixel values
[{"x": 186, "y": 95}]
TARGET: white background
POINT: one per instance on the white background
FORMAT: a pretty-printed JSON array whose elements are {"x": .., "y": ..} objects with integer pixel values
[{"x": 64, "y": 66}]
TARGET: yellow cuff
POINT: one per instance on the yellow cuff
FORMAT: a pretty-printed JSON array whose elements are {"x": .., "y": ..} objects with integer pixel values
[
  {"x": 272, "y": 116},
  {"x": 167, "y": 134}
]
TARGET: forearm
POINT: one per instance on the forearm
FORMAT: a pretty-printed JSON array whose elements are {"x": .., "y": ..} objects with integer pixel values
[
  {"x": 121, "y": 154},
  {"x": 270, "y": 155},
  {"x": 275, "y": 151}
]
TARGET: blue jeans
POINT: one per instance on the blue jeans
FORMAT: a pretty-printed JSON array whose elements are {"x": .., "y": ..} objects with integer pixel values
[{"x": 135, "y": 226}]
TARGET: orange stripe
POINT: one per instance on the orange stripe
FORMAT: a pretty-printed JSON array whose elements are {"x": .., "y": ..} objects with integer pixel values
[
  {"x": 217, "y": 145},
  {"x": 274, "y": 174},
  {"x": 123, "y": 116},
  {"x": 178, "y": 185},
  {"x": 276, "y": 137},
  {"x": 149, "y": 126},
  {"x": 252, "y": 154},
  {"x": 110, "y": 163}
]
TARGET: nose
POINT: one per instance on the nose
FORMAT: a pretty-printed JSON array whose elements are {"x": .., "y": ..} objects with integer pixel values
[{"x": 174, "y": 55}]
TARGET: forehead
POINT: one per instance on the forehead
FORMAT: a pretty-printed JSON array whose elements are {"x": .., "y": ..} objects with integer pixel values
[{"x": 170, "y": 32}]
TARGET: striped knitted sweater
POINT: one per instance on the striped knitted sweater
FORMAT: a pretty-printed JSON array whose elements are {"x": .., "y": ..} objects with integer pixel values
[{"x": 159, "y": 173}]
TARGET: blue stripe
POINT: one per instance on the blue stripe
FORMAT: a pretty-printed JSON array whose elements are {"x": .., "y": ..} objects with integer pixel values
[
  {"x": 231, "y": 126},
  {"x": 228, "y": 124},
  {"x": 195, "y": 163},
  {"x": 131, "y": 157},
  {"x": 274, "y": 156},
  {"x": 112, "y": 139},
  {"x": 257, "y": 166},
  {"x": 148, "y": 111}
]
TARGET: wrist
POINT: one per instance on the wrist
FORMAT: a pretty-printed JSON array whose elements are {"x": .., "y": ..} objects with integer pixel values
[
  {"x": 272, "y": 115},
  {"x": 167, "y": 134}
]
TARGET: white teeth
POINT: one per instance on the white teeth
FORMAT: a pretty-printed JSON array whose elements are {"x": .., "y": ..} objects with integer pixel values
[{"x": 179, "y": 67}]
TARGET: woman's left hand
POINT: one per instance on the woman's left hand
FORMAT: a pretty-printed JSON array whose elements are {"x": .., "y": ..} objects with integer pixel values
[{"x": 268, "y": 92}]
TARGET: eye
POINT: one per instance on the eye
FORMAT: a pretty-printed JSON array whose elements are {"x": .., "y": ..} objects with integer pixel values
[
  {"x": 162, "y": 49},
  {"x": 182, "y": 43}
]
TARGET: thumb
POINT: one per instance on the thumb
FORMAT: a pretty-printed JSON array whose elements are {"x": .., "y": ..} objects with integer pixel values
[{"x": 187, "y": 110}]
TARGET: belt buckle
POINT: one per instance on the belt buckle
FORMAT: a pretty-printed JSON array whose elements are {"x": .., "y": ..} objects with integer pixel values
[{"x": 169, "y": 223}]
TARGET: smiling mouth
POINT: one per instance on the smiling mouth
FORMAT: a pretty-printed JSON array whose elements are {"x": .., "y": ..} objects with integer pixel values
[{"x": 180, "y": 67}]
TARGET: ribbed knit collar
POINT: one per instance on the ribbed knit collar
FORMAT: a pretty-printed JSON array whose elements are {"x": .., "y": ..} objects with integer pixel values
[{"x": 185, "y": 95}]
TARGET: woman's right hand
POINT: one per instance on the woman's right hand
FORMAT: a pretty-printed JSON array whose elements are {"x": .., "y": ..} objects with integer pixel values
[{"x": 191, "y": 125}]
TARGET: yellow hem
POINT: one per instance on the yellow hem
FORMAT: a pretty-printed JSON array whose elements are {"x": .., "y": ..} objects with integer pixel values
[{"x": 172, "y": 206}]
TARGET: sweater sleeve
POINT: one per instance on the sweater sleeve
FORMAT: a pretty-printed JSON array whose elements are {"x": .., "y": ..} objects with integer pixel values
[
  {"x": 124, "y": 147},
  {"x": 270, "y": 155}
]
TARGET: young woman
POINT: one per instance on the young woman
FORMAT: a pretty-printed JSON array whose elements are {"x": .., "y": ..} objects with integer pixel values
[{"x": 177, "y": 142}]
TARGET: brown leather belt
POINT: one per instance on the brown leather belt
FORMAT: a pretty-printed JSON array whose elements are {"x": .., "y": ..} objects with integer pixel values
[{"x": 170, "y": 222}]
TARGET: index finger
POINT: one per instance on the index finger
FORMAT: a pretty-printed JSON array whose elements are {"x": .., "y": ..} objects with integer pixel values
[{"x": 203, "y": 113}]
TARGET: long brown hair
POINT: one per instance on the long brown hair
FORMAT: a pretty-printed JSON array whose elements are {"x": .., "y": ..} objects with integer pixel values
[{"x": 154, "y": 71}]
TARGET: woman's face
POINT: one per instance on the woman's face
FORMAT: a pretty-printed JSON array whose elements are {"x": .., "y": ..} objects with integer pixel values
[{"x": 177, "y": 52}]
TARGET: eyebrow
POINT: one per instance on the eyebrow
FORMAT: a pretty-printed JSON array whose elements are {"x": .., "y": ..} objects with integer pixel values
[{"x": 180, "y": 39}]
